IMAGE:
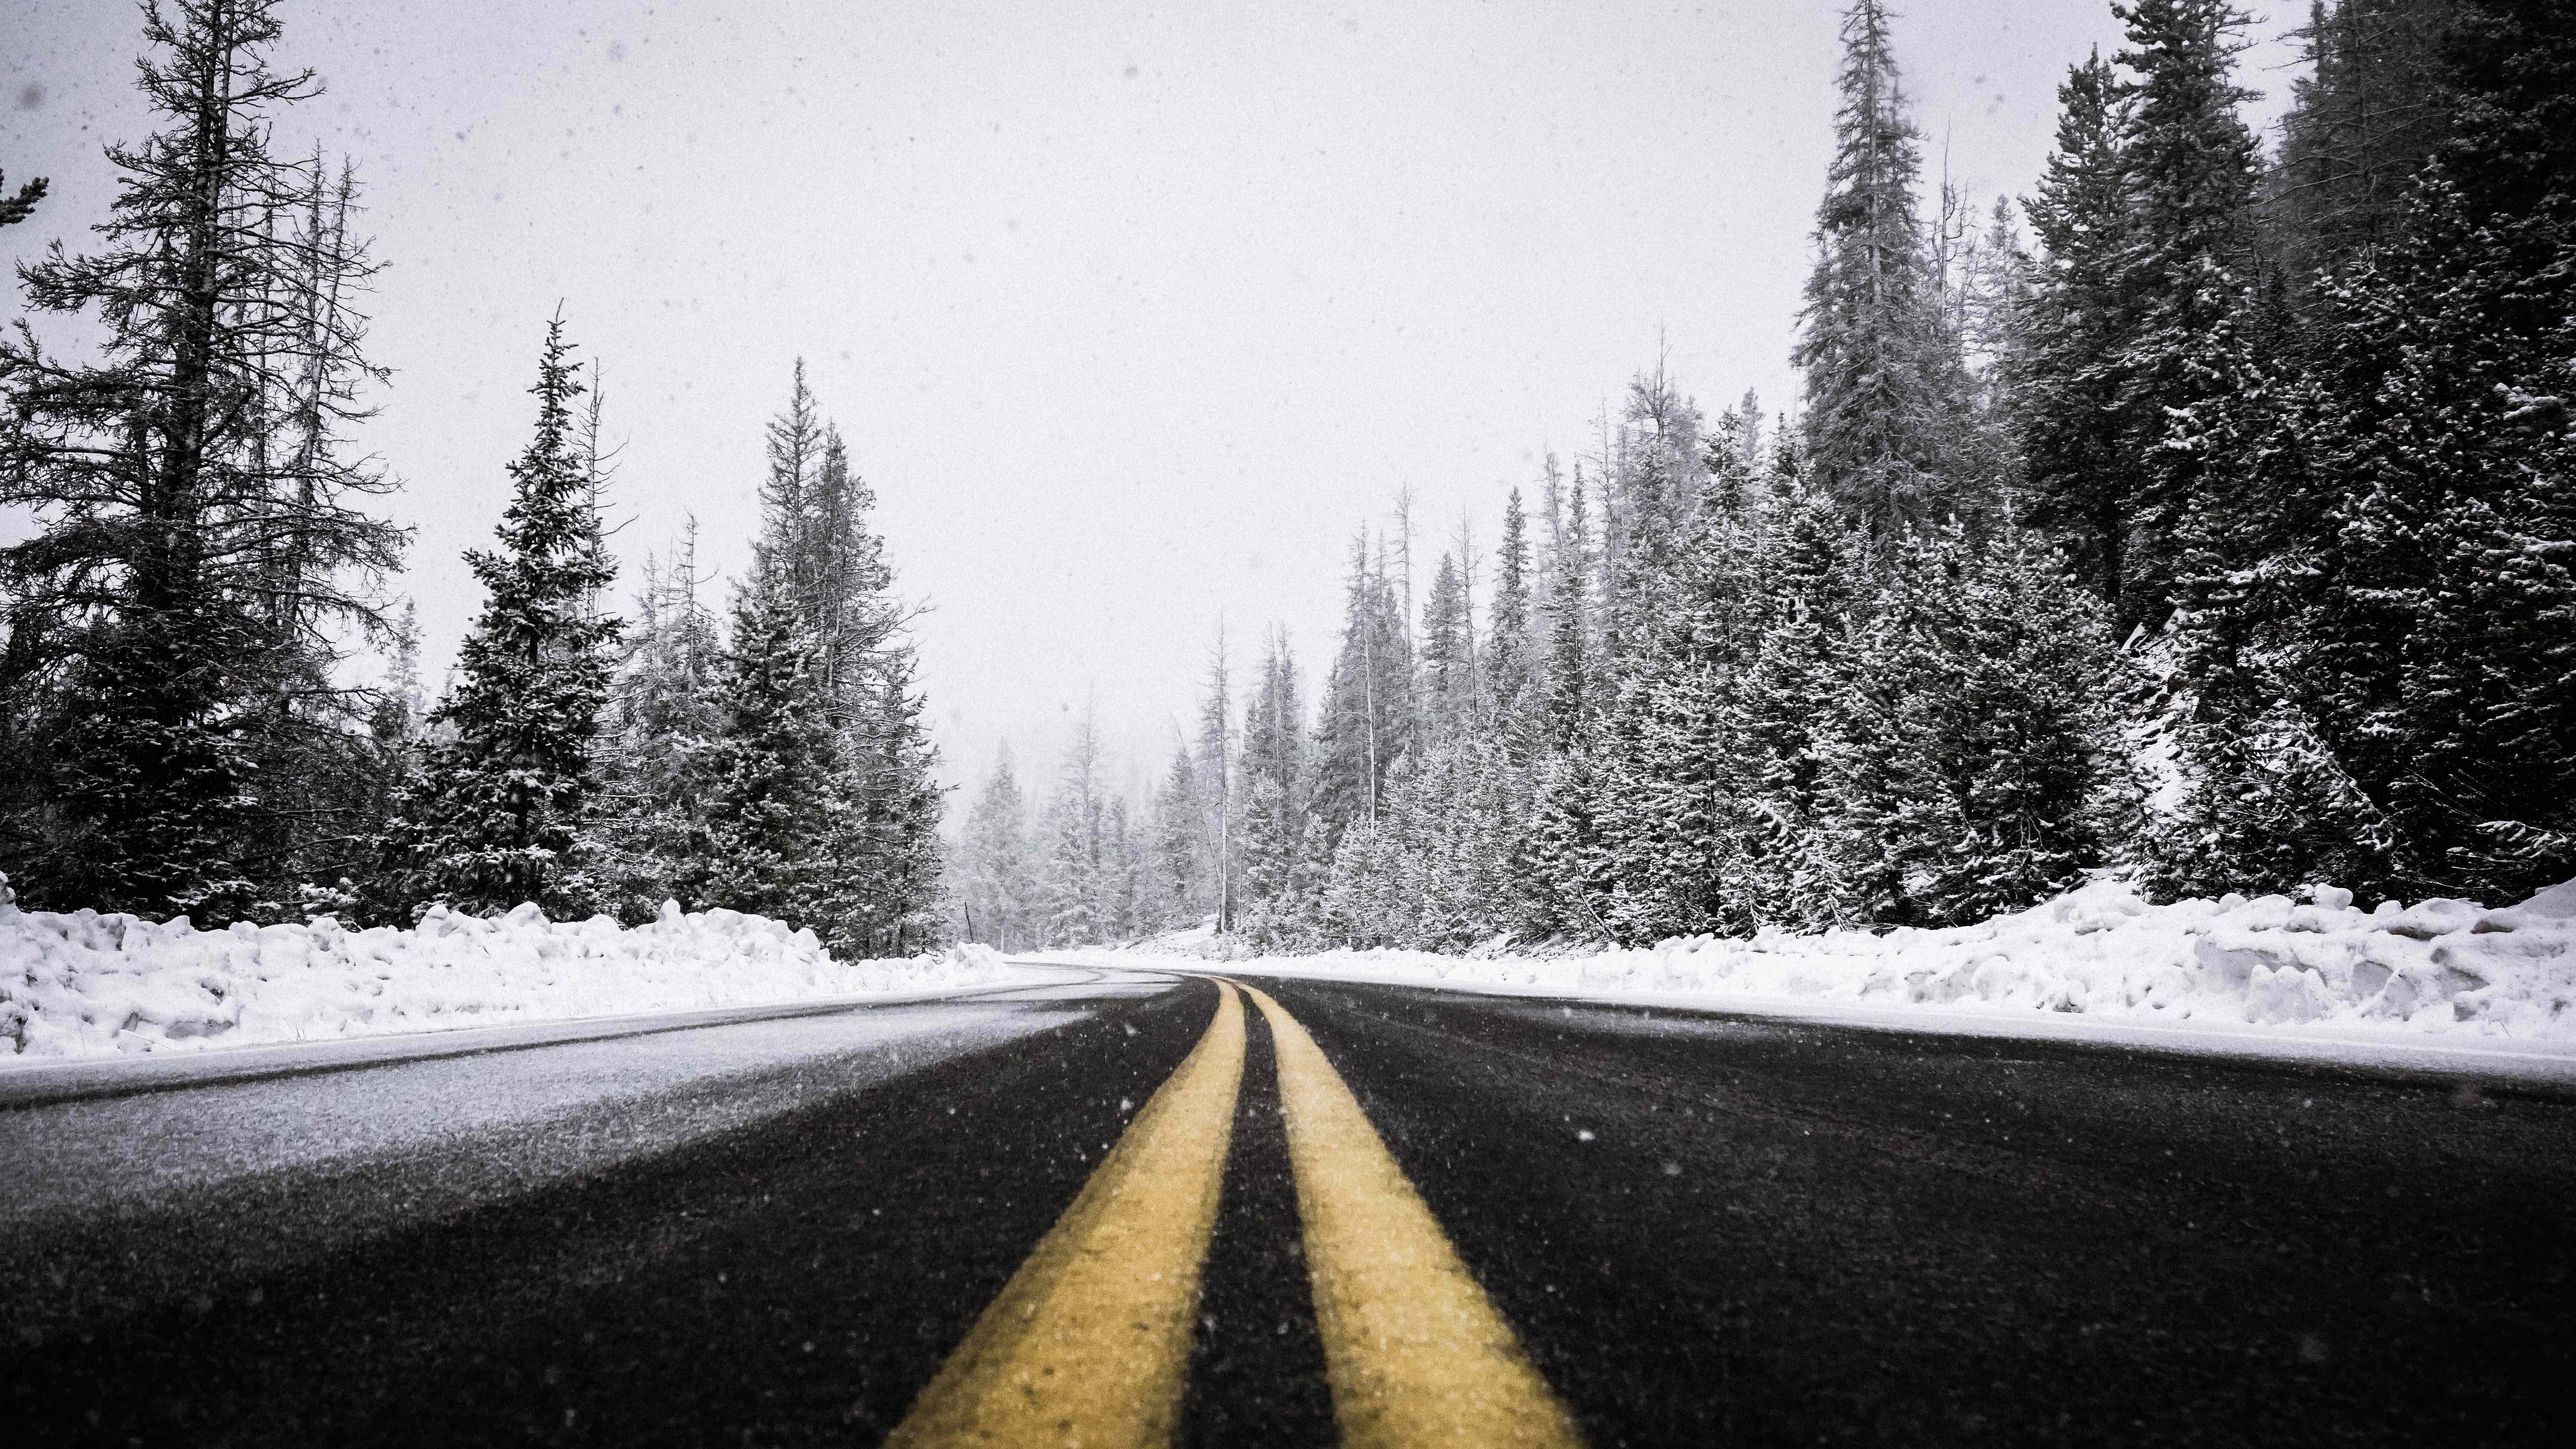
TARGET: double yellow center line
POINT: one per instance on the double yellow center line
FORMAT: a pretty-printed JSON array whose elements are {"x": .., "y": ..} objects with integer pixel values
[{"x": 1089, "y": 1342}]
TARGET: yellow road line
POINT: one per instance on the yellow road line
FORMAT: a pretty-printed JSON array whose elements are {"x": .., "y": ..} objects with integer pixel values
[
  {"x": 1417, "y": 1354},
  {"x": 1089, "y": 1343}
]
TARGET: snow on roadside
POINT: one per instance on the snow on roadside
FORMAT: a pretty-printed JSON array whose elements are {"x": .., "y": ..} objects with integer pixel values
[
  {"x": 2446, "y": 967},
  {"x": 86, "y": 984}
]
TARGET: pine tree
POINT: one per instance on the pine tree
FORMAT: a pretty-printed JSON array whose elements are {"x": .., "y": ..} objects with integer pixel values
[
  {"x": 1973, "y": 763},
  {"x": 775, "y": 802},
  {"x": 1508, "y": 646},
  {"x": 2418, "y": 635},
  {"x": 996, "y": 884},
  {"x": 1074, "y": 877},
  {"x": 1570, "y": 663},
  {"x": 887, "y": 857},
  {"x": 1812, "y": 577},
  {"x": 1364, "y": 722},
  {"x": 1671, "y": 827},
  {"x": 500, "y": 815},
  {"x": 2361, "y": 125},
  {"x": 1449, "y": 690},
  {"x": 184, "y": 738},
  {"x": 1215, "y": 772},
  {"x": 2186, "y": 273},
  {"x": 829, "y": 566},
  {"x": 1886, "y": 389},
  {"x": 1176, "y": 868},
  {"x": 1122, "y": 877},
  {"x": 2064, "y": 375},
  {"x": 663, "y": 724},
  {"x": 1276, "y": 783}
]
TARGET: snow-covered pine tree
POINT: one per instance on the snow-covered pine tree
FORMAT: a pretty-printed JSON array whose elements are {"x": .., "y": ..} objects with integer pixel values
[
  {"x": 1508, "y": 646},
  {"x": 1177, "y": 868},
  {"x": 663, "y": 723},
  {"x": 1433, "y": 873},
  {"x": 2363, "y": 121},
  {"x": 2064, "y": 376},
  {"x": 1274, "y": 789},
  {"x": 1887, "y": 392},
  {"x": 501, "y": 812},
  {"x": 845, "y": 578},
  {"x": 1648, "y": 490},
  {"x": 1449, "y": 685},
  {"x": 995, "y": 881},
  {"x": 887, "y": 855},
  {"x": 1812, "y": 580},
  {"x": 2430, "y": 543},
  {"x": 1571, "y": 665},
  {"x": 1365, "y": 719},
  {"x": 775, "y": 801},
  {"x": 1216, "y": 773},
  {"x": 1671, "y": 828},
  {"x": 182, "y": 737},
  {"x": 1122, "y": 876},
  {"x": 1973, "y": 763},
  {"x": 1073, "y": 875},
  {"x": 2186, "y": 273},
  {"x": 830, "y": 564}
]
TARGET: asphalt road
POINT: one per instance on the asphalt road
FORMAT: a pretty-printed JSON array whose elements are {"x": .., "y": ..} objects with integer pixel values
[{"x": 1703, "y": 1229}]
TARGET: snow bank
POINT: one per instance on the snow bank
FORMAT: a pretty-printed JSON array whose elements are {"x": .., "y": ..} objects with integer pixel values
[
  {"x": 2447, "y": 966},
  {"x": 86, "y": 984}
]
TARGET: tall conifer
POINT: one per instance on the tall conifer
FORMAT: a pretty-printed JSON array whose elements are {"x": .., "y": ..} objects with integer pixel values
[{"x": 501, "y": 813}]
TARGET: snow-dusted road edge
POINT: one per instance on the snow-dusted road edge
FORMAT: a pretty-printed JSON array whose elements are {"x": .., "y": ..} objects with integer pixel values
[
  {"x": 88, "y": 985},
  {"x": 2443, "y": 985}
]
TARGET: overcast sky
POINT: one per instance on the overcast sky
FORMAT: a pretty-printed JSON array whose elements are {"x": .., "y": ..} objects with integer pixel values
[{"x": 1131, "y": 314}]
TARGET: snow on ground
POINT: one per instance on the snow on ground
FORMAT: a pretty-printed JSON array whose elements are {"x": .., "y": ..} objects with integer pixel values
[
  {"x": 2441, "y": 969},
  {"x": 86, "y": 984}
]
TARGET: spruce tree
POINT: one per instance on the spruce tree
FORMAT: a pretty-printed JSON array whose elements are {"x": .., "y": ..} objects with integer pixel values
[
  {"x": 1274, "y": 787},
  {"x": 2418, "y": 634},
  {"x": 1076, "y": 871},
  {"x": 887, "y": 855},
  {"x": 1672, "y": 826},
  {"x": 1972, "y": 763},
  {"x": 2186, "y": 273},
  {"x": 1887, "y": 392},
  {"x": 775, "y": 804},
  {"x": 184, "y": 737},
  {"x": 1812, "y": 580},
  {"x": 664, "y": 720},
  {"x": 1449, "y": 690},
  {"x": 1508, "y": 644},
  {"x": 2361, "y": 125},
  {"x": 829, "y": 568},
  {"x": 995, "y": 883},
  {"x": 1216, "y": 775},
  {"x": 2064, "y": 376},
  {"x": 501, "y": 813},
  {"x": 1570, "y": 662},
  {"x": 1365, "y": 719},
  {"x": 1177, "y": 869}
]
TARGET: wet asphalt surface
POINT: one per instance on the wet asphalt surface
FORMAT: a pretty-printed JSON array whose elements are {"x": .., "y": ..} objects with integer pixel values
[{"x": 1706, "y": 1229}]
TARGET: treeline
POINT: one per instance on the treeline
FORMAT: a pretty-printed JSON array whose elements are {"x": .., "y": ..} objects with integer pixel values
[
  {"x": 183, "y": 728},
  {"x": 2206, "y": 514}
]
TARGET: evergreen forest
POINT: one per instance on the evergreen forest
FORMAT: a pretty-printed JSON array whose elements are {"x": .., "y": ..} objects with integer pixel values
[
  {"x": 2205, "y": 515},
  {"x": 189, "y": 720}
]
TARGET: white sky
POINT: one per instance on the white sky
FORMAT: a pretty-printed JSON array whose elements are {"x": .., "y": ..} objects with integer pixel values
[{"x": 1132, "y": 314}]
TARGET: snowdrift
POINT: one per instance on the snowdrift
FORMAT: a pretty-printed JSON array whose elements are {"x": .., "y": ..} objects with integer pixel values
[
  {"x": 86, "y": 984},
  {"x": 2447, "y": 966}
]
